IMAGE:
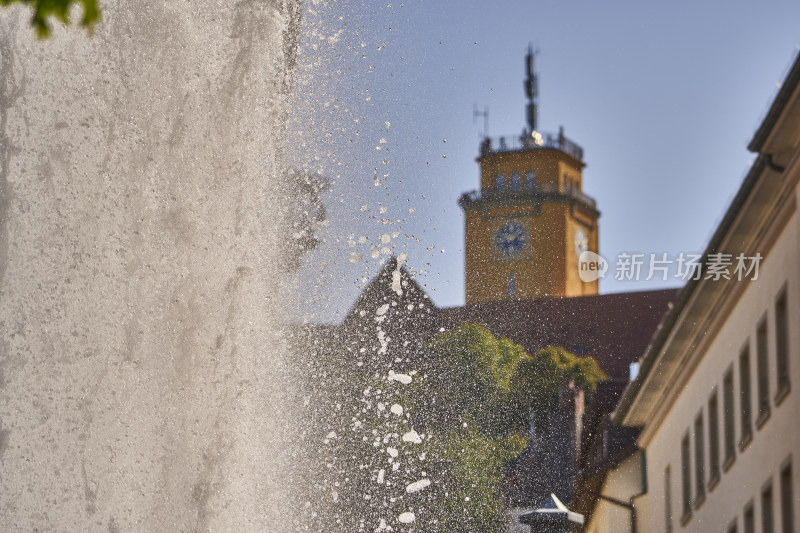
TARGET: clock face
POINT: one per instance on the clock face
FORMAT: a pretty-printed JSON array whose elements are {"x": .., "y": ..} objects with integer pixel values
[
  {"x": 511, "y": 238},
  {"x": 581, "y": 242}
]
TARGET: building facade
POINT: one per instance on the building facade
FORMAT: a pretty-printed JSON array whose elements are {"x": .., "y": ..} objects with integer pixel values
[{"x": 714, "y": 396}]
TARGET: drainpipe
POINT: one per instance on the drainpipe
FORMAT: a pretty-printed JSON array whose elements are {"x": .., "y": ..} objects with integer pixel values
[
  {"x": 774, "y": 166},
  {"x": 627, "y": 505}
]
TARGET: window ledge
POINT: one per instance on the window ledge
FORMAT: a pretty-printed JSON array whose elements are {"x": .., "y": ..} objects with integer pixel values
[
  {"x": 783, "y": 392},
  {"x": 745, "y": 442},
  {"x": 699, "y": 500},
  {"x": 729, "y": 462},
  {"x": 762, "y": 418},
  {"x": 714, "y": 480},
  {"x": 686, "y": 518}
]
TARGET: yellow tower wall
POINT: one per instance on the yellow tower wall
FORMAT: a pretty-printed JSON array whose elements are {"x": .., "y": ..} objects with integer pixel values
[{"x": 548, "y": 264}]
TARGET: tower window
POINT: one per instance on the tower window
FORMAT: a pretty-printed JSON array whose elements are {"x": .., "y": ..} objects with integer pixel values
[
  {"x": 512, "y": 285},
  {"x": 515, "y": 182},
  {"x": 500, "y": 182},
  {"x": 530, "y": 180}
]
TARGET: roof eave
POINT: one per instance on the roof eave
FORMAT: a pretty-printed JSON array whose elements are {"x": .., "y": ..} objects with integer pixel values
[
  {"x": 777, "y": 108},
  {"x": 622, "y": 415}
]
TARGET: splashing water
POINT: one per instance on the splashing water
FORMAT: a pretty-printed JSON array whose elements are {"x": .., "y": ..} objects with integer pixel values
[{"x": 138, "y": 267}]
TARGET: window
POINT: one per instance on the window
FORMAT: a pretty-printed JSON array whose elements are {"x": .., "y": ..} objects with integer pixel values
[
  {"x": 515, "y": 182},
  {"x": 729, "y": 410},
  {"x": 749, "y": 518},
  {"x": 782, "y": 345},
  {"x": 699, "y": 462},
  {"x": 530, "y": 180},
  {"x": 512, "y": 285},
  {"x": 767, "y": 523},
  {"x": 500, "y": 182},
  {"x": 787, "y": 503},
  {"x": 713, "y": 440},
  {"x": 686, "y": 480},
  {"x": 667, "y": 500},
  {"x": 745, "y": 399},
  {"x": 633, "y": 370},
  {"x": 762, "y": 370}
]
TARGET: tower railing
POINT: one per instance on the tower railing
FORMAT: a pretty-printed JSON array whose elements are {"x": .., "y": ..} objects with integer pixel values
[
  {"x": 532, "y": 141},
  {"x": 540, "y": 191}
]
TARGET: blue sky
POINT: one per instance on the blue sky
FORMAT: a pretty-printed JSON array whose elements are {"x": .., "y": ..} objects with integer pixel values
[{"x": 663, "y": 97}]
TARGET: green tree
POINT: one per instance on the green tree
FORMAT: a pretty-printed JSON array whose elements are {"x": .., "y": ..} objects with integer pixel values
[
  {"x": 474, "y": 400},
  {"x": 59, "y": 9},
  {"x": 467, "y": 467}
]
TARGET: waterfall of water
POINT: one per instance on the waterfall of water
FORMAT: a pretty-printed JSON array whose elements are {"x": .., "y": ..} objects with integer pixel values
[{"x": 141, "y": 380}]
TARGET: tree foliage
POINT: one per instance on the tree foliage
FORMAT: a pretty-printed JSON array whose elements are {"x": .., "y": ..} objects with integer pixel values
[
  {"x": 58, "y": 9},
  {"x": 468, "y": 468},
  {"x": 475, "y": 399}
]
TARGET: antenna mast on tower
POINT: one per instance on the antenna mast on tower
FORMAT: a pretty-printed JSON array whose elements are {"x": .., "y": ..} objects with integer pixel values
[
  {"x": 485, "y": 115},
  {"x": 531, "y": 90}
]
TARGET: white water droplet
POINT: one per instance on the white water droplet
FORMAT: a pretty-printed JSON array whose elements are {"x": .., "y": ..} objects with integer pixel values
[
  {"x": 405, "y": 379},
  {"x": 418, "y": 486},
  {"x": 406, "y": 518},
  {"x": 412, "y": 436}
]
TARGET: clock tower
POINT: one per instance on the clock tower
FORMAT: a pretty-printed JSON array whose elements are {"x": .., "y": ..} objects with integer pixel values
[{"x": 530, "y": 221}]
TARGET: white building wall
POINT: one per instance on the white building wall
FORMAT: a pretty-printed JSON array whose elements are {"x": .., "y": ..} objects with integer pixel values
[
  {"x": 621, "y": 483},
  {"x": 776, "y": 441}
]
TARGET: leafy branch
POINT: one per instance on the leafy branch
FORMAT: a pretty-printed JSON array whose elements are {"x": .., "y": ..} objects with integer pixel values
[{"x": 59, "y": 9}]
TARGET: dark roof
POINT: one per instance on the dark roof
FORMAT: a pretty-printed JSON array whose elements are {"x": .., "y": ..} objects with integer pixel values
[
  {"x": 392, "y": 283},
  {"x": 613, "y": 328}
]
